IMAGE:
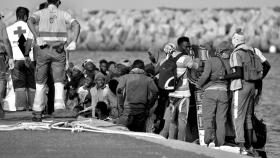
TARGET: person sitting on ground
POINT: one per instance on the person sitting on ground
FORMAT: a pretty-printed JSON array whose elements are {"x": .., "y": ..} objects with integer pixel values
[
  {"x": 99, "y": 92},
  {"x": 111, "y": 70},
  {"x": 103, "y": 67},
  {"x": 115, "y": 110},
  {"x": 89, "y": 68},
  {"x": 138, "y": 94},
  {"x": 84, "y": 92},
  {"x": 102, "y": 111}
]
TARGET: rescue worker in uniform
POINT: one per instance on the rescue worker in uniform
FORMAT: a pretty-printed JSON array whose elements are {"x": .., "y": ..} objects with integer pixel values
[
  {"x": 22, "y": 74},
  {"x": 243, "y": 94},
  {"x": 52, "y": 39},
  {"x": 5, "y": 50}
]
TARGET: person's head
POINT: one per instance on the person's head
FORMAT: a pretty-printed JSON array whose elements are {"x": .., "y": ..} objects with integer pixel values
[
  {"x": 121, "y": 69},
  {"x": 76, "y": 71},
  {"x": 184, "y": 44},
  {"x": 43, "y": 5},
  {"x": 238, "y": 38},
  {"x": 169, "y": 48},
  {"x": 138, "y": 64},
  {"x": 54, "y": 2},
  {"x": 22, "y": 13},
  {"x": 88, "y": 81},
  {"x": 100, "y": 80},
  {"x": 224, "y": 49},
  {"x": 111, "y": 66},
  {"x": 101, "y": 110},
  {"x": 103, "y": 65},
  {"x": 89, "y": 68},
  {"x": 71, "y": 65}
]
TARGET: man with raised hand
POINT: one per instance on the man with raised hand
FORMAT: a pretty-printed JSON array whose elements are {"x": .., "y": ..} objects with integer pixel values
[
  {"x": 23, "y": 73},
  {"x": 5, "y": 50},
  {"x": 52, "y": 38}
]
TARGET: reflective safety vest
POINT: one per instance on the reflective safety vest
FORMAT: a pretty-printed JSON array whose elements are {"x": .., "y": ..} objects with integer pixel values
[
  {"x": 53, "y": 24},
  {"x": 14, "y": 33}
]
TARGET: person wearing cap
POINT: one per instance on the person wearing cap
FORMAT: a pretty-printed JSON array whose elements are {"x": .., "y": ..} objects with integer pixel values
[
  {"x": 243, "y": 94},
  {"x": 5, "y": 51},
  {"x": 23, "y": 74},
  {"x": 136, "y": 93},
  {"x": 52, "y": 38},
  {"x": 215, "y": 102},
  {"x": 99, "y": 92}
]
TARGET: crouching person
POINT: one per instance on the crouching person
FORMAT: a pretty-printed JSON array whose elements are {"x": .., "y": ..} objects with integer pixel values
[
  {"x": 139, "y": 93},
  {"x": 215, "y": 101}
]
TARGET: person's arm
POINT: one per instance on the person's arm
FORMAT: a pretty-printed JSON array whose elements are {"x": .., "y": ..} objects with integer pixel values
[
  {"x": 8, "y": 47},
  {"x": 75, "y": 26},
  {"x": 238, "y": 74},
  {"x": 266, "y": 68},
  {"x": 76, "y": 29},
  {"x": 120, "y": 91},
  {"x": 153, "y": 94},
  {"x": 205, "y": 75},
  {"x": 31, "y": 24}
]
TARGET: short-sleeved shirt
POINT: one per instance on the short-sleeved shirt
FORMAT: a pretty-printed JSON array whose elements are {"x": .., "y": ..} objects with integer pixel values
[
  {"x": 183, "y": 63},
  {"x": 14, "y": 32},
  {"x": 3, "y": 36},
  {"x": 52, "y": 23}
]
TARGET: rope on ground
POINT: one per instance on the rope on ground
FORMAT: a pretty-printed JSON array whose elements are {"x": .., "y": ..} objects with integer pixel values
[
  {"x": 26, "y": 126},
  {"x": 75, "y": 126},
  {"x": 80, "y": 127}
]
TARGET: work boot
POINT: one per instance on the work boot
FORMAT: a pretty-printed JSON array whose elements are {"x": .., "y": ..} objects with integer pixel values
[
  {"x": 37, "y": 116},
  {"x": 2, "y": 113}
]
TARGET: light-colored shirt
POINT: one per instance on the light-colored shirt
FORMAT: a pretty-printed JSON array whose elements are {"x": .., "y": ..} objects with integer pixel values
[
  {"x": 183, "y": 63},
  {"x": 98, "y": 95},
  {"x": 14, "y": 32},
  {"x": 53, "y": 23}
]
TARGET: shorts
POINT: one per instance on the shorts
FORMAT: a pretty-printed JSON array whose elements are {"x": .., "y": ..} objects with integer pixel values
[{"x": 22, "y": 76}]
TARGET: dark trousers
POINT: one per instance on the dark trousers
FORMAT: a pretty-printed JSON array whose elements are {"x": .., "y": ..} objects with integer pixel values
[
  {"x": 163, "y": 103},
  {"x": 50, "y": 103},
  {"x": 135, "y": 121},
  {"x": 3, "y": 81}
]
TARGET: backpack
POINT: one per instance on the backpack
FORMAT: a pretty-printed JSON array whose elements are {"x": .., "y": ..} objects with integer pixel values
[
  {"x": 260, "y": 132},
  {"x": 252, "y": 68},
  {"x": 168, "y": 79}
]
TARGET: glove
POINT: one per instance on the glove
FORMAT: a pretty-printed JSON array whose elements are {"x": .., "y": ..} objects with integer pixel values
[
  {"x": 27, "y": 61},
  {"x": 11, "y": 64},
  {"x": 40, "y": 42},
  {"x": 71, "y": 46}
]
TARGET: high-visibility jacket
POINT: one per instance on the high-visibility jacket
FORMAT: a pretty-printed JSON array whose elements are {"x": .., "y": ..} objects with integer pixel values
[
  {"x": 53, "y": 24},
  {"x": 14, "y": 32}
]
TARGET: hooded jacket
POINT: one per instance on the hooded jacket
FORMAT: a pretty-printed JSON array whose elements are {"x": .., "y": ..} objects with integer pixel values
[{"x": 138, "y": 91}]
